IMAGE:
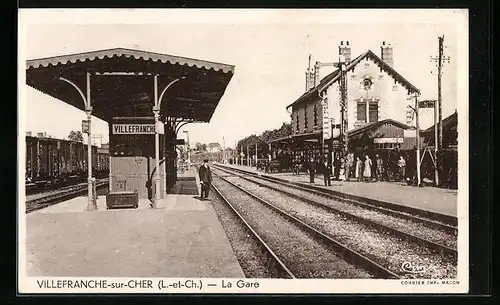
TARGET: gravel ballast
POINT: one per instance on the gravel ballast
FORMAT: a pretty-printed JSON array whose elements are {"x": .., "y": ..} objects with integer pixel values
[
  {"x": 247, "y": 251},
  {"x": 389, "y": 251},
  {"x": 306, "y": 257},
  {"x": 402, "y": 224}
]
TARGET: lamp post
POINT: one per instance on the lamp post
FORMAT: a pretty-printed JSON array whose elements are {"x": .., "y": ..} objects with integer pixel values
[{"x": 188, "y": 150}]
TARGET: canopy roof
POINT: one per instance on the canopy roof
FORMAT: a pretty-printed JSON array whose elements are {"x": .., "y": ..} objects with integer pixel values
[{"x": 193, "y": 98}]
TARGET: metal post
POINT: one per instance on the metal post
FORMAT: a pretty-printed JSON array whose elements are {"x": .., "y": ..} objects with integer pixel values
[
  {"x": 164, "y": 144},
  {"x": 156, "y": 112},
  {"x": 417, "y": 107},
  {"x": 224, "y": 150},
  {"x": 440, "y": 112},
  {"x": 189, "y": 151},
  {"x": 343, "y": 101},
  {"x": 91, "y": 205},
  {"x": 248, "y": 156},
  {"x": 436, "y": 173},
  {"x": 256, "y": 156}
]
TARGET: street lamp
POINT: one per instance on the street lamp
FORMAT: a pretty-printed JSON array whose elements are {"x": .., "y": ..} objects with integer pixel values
[{"x": 188, "y": 150}]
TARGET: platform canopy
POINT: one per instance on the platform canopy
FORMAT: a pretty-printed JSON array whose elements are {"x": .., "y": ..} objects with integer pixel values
[{"x": 122, "y": 83}]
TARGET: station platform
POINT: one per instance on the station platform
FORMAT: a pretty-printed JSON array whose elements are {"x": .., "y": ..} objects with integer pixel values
[
  {"x": 182, "y": 237},
  {"x": 427, "y": 199}
]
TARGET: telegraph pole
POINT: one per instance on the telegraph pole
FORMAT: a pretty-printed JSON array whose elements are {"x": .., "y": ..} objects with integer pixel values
[
  {"x": 224, "y": 150},
  {"x": 438, "y": 133},
  {"x": 256, "y": 157},
  {"x": 343, "y": 104}
]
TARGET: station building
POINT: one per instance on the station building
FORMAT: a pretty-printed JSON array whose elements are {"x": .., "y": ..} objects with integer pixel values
[
  {"x": 379, "y": 114},
  {"x": 144, "y": 97}
]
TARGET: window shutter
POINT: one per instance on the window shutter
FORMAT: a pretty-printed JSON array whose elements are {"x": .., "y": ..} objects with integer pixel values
[
  {"x": 361, "y": 111},
  {"x": 373, "y": 111}
]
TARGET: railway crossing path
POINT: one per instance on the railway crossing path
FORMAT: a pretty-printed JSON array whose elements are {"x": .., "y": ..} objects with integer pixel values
[{"x": 181, "y": 238}]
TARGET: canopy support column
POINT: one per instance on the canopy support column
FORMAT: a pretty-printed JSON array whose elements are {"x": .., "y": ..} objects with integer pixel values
[
  {"x": 88, "y": 109},
  {"x": 156, "y": 112},
  {"x": 91, "y": 205}
]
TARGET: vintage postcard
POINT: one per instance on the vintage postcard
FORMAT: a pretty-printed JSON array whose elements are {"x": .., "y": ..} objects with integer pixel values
[{"x": 243, "y": 151}]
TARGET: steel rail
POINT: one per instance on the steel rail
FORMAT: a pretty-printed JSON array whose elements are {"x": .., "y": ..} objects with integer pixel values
[
  {"x": 345, "y": 252},
  {"x": 46, "y": 201},
  {"x": 428, "y": 222},
  {"x": 273, "y": 259},
  {"x": 453, "y": 253}
]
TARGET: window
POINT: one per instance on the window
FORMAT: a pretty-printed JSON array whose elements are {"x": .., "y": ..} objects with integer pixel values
[
  {"x": 361, "y": 111},
  {"x": 367, "y": 111},
  {"x": 297, "y": 122},
  {"x": 373, "y": 111},
  {"x": 305, "y": 118},
  {"x": 315, "y": 115}
]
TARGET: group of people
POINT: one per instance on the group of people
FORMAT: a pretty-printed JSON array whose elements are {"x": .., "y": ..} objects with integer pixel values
[{"x": 363, "y": 170}]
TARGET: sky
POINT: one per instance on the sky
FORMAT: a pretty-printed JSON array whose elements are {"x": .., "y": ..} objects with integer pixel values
[{"x": 269, "y": 50}]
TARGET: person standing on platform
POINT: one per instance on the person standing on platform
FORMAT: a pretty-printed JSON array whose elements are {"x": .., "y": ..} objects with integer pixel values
[
  {"x": 379, "y": 169},
  {"x": 402, "y": 168},
  {"x": 367, "y": 173},
  {"x": 348, "y": 166},
  {"x": 327, "y": 169},
  {"x": 359, "y": 165},
  {"x": 312, "y": 170},
  {"x": 336, "y": 167},
  {"x": 205, "y": 179}
]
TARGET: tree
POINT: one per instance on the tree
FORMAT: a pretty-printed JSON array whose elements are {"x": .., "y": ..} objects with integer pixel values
[{"x": 75, "y": 136}]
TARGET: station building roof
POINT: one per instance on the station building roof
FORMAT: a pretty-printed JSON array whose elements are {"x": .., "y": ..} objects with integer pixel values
[
  {"x": 131, "y": 94},
  {"x": 330, "y": 79}
]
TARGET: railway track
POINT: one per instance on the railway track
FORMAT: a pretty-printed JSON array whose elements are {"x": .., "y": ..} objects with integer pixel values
[
  {"x": 391, "y": 225},
  {"x": 303, "y": 250},
  {"x": 277, "y": 267},
  {"x": 43, "y": 200},
  {"x": 429, "y": 219}
]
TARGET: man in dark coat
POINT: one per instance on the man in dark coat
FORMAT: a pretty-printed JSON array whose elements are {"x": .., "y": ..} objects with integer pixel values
[
  {"x": 312, "y": 170},
  {"x": 336, "y": 167},
  {"x": 205, "y": 179},
  {"x": 327, "y": 169}
]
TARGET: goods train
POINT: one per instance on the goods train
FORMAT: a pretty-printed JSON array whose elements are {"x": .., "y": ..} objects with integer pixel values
[{"x": 50, "y": 161}]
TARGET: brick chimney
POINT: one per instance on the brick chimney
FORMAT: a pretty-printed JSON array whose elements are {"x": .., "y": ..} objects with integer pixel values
[
  {"x": 345, "y": 49},
  {"x": 386, "y": 53},
  {"x": 309, "y": 76},
  {"x": 28, "y": 133}
]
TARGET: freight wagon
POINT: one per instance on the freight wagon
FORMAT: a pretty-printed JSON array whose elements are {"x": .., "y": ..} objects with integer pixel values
[{"x": 52, "y": 161}]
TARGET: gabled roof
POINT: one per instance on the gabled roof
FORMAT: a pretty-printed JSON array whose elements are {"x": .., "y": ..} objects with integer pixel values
[
  {"x": 214, "y": 145},
  {"x": 122, "y": 83},
  {"x": 449, "y": 122},
  {"x": 372, "y": 125},
  {"x": 127, "y": 53},
  {"x": 333, "y": 77}
]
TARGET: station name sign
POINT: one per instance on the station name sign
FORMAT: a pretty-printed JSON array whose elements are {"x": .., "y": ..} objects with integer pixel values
[
  {"x": 387, "y": 140},
  {"x": 134, "y": 129}
]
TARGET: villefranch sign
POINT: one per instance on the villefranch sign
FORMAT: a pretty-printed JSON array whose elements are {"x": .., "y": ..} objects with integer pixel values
[{"x": 133, "y": 128}]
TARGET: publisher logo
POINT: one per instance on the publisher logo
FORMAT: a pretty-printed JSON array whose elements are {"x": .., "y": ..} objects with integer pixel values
[{"x": 412, "y": 267}]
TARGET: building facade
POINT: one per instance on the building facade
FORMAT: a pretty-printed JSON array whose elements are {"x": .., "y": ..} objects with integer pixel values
[{"x": 376, "y": 95}]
